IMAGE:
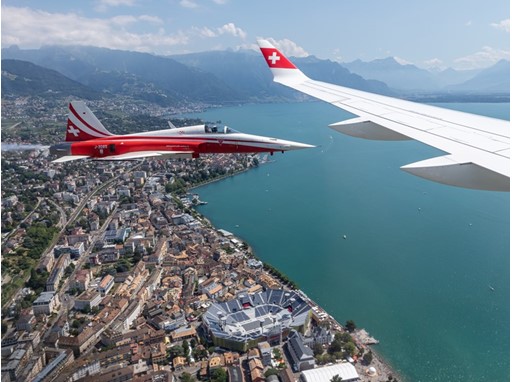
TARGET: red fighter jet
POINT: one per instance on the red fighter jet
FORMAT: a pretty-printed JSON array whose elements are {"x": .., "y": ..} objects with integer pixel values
[{"x": 87, "y": 138}]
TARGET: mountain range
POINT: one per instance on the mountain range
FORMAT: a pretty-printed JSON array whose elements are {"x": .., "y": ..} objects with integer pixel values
[
  {"x": 408, "y": 77},
  {"x": 217, "y": 77}
]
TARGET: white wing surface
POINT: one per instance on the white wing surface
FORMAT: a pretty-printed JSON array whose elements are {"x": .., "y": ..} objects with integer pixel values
[
  {"x": 477, "y": 147},
  {"x": 68, "y": 158},
  {"x": 131, "y": 156},
  {"x": 150, "y": 154}
]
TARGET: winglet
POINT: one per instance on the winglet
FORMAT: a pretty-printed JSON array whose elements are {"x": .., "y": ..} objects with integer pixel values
[{"x": 283, "y": 70}]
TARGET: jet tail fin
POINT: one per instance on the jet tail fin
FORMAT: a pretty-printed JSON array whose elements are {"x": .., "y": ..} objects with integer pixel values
[{"x": 83, "y": 125}]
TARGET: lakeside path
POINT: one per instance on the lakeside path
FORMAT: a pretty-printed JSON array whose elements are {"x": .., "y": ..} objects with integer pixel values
[{"x": 383, "y": 371}]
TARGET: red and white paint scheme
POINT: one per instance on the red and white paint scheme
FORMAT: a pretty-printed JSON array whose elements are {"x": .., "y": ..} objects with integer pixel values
[{"x": 87, "y": 138}]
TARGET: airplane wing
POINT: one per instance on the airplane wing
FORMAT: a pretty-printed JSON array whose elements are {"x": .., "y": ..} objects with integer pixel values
[
  {"x": 149, "y": 154},
  {"x": 131, "y": 156},
  {"x": 68, "y": 158},
  {"x": 477, "y": 147}
]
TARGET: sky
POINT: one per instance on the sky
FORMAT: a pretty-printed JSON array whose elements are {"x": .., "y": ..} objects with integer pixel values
[{"x": 432, "y": 34}]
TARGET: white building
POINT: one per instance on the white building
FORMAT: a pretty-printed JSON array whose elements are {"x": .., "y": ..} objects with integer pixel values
[
  {"x": 46, "y": 303},
  {"x": 346, "y": 371}
]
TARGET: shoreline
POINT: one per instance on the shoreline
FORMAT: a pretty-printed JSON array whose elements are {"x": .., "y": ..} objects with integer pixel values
[
  {"x": 383, "y": 368},
  {"x": 205, "y": 183}
]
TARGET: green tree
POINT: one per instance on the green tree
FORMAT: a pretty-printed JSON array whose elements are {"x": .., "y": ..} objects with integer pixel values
[
  {"x": 187, "y": 377},
  {"x": 186, "y": 347},
  {"x": 334, "y": 347},
  {"x": 350, "y": 349},
  {"x": 176, "y": 350},
  {"x": 336, "y": 378},
  {"x": 368, "y": 357},
  {"x": 317, "y": 349},
  {"x": 219, "y": 375},
  {"x": 345, "y": 337},
  {"x": 350, "y": 325},
  {"x": 270, "y": 372}
]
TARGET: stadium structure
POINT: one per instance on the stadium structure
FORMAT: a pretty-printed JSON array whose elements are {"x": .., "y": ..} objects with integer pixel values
[{"x": 243, "y": 322}]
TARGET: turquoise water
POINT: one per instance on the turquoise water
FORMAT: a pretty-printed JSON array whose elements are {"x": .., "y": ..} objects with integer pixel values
[{"x": 418, "y": 260}]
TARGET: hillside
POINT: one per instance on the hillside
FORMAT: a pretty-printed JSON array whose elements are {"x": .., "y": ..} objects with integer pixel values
[{"x": 22, "y": 78}]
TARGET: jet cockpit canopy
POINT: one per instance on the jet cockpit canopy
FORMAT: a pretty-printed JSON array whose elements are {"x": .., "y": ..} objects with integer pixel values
[{"x": 214, "y": 129}]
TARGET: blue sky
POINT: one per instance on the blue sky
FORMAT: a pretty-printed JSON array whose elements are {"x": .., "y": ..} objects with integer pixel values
[{"x": 463, "y": 34}]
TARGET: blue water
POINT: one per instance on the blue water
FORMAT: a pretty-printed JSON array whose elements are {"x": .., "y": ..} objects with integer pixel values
[{"x": 418, "y": 260}]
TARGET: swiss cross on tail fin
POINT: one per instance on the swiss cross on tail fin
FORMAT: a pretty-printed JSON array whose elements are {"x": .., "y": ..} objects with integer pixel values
[
  {"x": 83, "y": 125},
  {"x": 282, "y": 69},
  {"x": 275, "y": 59}
]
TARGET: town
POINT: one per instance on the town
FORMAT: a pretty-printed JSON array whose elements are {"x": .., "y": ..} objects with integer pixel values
[{"x": 109, "y": 273}]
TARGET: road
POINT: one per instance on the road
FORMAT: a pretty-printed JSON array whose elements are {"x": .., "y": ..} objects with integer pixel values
[{"x": 68, "y": 223}]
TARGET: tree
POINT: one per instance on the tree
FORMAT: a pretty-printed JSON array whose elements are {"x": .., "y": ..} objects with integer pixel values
[
  {"x": 219, "y": 375},
  {"x": 350, "y": 349},
  {"x": 270, "y": 372},
  {"x": 317, "y": 348},
  {"x": 350, "y": 325},
  {"x": 345, "y": 337},
  {"x": 334, "y": 347},
  {"x": 186, "y": 347},
  {"x": 336, "y": 378},
  {"x": 176, "y": 350},
  {"x": 368, "y": 357},
  {"x": 187, "y": 377}
]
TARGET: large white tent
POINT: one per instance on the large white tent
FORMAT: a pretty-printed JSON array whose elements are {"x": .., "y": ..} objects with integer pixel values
[{"x": 346, "y": 371}]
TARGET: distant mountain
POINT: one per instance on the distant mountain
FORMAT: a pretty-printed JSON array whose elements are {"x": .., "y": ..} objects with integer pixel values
[
  {"x": 139, "y": 75},
  {"x": 22, "y": 78},
  {"x": 395, "y": 75},
  {"x": 495, "y": 79},
  {"x": 409, "y": 78},
  {"x": 333, "y": 72},
  {"x": 247, "y": 72},
  {"x": 244, "y": 71},
  {"x": 450, "y": 76}
]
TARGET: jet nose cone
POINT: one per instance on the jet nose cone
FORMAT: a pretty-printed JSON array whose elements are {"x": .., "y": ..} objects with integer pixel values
[{"x": 290, "y": 145}]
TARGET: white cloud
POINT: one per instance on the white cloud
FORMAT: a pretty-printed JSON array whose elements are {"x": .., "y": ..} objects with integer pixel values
[
  {"x": 29, "y": 28},
  {"x": 151, "y": 19},
  {"x": 33, "y": 28},
  {"x": 116, "y": 3},
  {"x": 204, "y": 32},
  {"x": 289, "y": 48},
  {"x": 188, "y": 4},
  {"x": 486, "y": 57},
  {"x": 232, "y": 30},
  {"x": 103, "y": 5},
  {"x": 123, "y": 20},
  {"x": 503, "y": 25}
]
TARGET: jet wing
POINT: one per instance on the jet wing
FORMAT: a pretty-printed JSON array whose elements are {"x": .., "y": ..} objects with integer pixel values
[
  {"x": 478, "y": 147},
  {"x": 149, "y": 154},
  {"x": 130, "y": 156},
  {"x": 67, "y": 158}
]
